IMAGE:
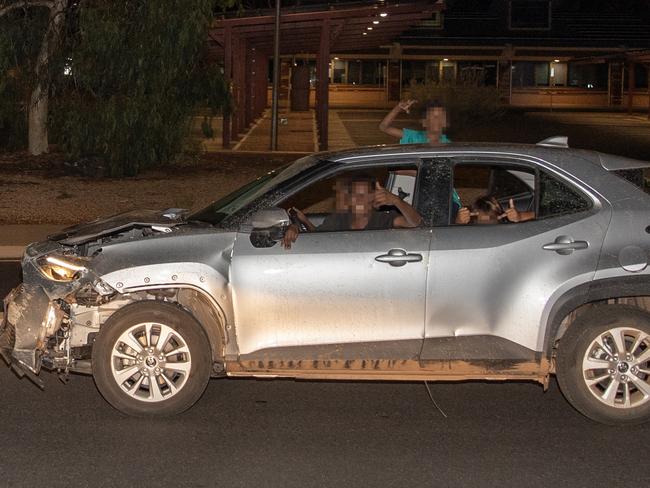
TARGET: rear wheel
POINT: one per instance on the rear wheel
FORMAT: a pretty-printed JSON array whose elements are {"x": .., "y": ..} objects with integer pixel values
[
  {"x": 151, "y": 358},
  {"x": 603, "y": 364}
]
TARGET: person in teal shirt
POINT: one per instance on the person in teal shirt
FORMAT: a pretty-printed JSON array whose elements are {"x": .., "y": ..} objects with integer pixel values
[
  {"x": 410, "y": 136},
  {"x": 434, "y": 121}
]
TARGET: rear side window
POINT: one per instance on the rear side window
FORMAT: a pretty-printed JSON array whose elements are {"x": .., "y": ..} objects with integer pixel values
[
  {"x": 638, "y": 177},
  {"x": 558, "y": 198}
]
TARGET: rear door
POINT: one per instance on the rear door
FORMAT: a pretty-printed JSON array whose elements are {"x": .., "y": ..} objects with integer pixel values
[{"x": 489, "y": 285}]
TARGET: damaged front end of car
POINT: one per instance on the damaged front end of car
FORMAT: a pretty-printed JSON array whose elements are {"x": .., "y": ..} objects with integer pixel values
[
  {"x": 50, "y": 319},
  {"x": 35, "y": 330}
]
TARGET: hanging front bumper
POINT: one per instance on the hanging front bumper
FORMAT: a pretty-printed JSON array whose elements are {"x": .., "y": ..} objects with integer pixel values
[{"x": 28, "y": 314}]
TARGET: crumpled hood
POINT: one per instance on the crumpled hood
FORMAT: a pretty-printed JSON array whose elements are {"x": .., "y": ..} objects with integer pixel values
[{"x": 88, "y": 231}]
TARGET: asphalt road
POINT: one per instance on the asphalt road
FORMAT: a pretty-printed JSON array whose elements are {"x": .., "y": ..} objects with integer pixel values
[{"x": 258, "y": 433}]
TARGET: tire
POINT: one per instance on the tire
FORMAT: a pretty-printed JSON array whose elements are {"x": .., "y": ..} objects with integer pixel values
[
  {"x": 126, "y": 372},
  {"x": 603, "y": 364}
]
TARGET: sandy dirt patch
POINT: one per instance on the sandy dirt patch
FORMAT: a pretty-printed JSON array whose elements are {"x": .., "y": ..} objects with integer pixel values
[{"x": 41, "y": 190}]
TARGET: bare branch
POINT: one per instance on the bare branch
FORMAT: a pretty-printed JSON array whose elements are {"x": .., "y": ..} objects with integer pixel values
[{"x": 25, "y": 4}]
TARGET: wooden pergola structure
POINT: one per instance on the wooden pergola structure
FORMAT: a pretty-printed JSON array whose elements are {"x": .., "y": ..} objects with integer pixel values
[{"x": 245, "y": 44}]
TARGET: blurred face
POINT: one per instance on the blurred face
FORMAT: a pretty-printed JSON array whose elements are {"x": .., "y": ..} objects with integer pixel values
[
  {"x": 487, "y": 211},
  {"x": 342, "y": 197},
  {"x": 435, "y": 120},
  {"x": 483, "y": 217},
  {"x": 361, "y": 197}
]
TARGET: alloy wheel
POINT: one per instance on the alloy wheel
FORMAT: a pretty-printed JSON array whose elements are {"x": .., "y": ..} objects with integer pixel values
[
  {"x": 151, "y": 362},
  {"x": 616, "y": 367}
]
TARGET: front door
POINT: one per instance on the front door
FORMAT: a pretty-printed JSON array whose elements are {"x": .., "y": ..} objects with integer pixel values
[
  {"x": 354, "y": 293},
  {"x": 330, "y": 289}
]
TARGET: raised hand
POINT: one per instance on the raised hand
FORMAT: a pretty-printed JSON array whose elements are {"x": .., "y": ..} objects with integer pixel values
[
  {"x": 384, "y": 197},
  {"x": 511, "y": 213},
  {"x": 405, "y": 105}
]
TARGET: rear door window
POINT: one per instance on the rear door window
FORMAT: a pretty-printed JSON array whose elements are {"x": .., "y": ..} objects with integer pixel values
[
  {"x": 557, "y": 197},
  {"x": 497, "y": 186},
  {"x": 534, "y": 192}
]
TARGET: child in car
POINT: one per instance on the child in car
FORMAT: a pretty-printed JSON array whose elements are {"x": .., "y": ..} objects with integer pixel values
[{"x": 487, "y": 210}]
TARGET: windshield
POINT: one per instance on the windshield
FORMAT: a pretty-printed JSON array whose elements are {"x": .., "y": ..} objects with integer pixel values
[{"x": 231, "y": 203}]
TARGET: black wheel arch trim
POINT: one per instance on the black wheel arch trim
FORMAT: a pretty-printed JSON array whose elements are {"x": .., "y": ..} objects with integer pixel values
[
  {"x": 603, "y": 289},
  {"x": 214, "y": 335}
]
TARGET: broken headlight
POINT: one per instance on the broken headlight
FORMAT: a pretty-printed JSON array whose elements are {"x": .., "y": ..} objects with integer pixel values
[{"x": 61, "y": 268}]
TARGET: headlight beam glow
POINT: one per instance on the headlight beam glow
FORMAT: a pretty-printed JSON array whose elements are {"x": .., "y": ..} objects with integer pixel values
[{"x": 64, "y": 264}]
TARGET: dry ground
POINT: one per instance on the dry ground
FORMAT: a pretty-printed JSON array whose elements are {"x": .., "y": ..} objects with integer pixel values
[{"x": 38, "y": 190}]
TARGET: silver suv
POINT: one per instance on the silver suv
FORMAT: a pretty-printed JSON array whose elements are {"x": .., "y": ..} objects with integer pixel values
[{"x": 153, "y": 304}]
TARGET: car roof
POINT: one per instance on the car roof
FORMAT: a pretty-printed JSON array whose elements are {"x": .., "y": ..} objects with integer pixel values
[{"x": 609, "y": 162}]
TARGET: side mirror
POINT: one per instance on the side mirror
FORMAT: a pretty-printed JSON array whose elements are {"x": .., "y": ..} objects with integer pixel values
[{"x": 267, "y": 226}]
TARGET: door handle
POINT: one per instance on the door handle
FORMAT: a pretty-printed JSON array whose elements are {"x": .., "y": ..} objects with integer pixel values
[
  {"x": 565, "y": 245},
  {"x": 399, "y": 257}
]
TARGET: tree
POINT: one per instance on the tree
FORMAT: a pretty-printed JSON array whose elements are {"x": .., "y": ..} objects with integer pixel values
[
  {"x": 39, "y": 98},
  {"x": 121, "y": 78}
]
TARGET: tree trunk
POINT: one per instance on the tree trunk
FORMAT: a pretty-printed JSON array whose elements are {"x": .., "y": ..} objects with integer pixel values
[
  {"x": 37, "y": 134},
  {"x": 38, "y": 104}
]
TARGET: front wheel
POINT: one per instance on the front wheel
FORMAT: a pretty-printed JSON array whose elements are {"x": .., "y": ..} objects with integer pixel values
[
  {"x": 603, "y": 364},
  {"x": 151, "y": 359}
]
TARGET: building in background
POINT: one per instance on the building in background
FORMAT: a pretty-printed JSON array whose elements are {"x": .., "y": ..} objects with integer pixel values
[
  {"x": 537, "y": 53},
  {"x": 566, "y": 52}
]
